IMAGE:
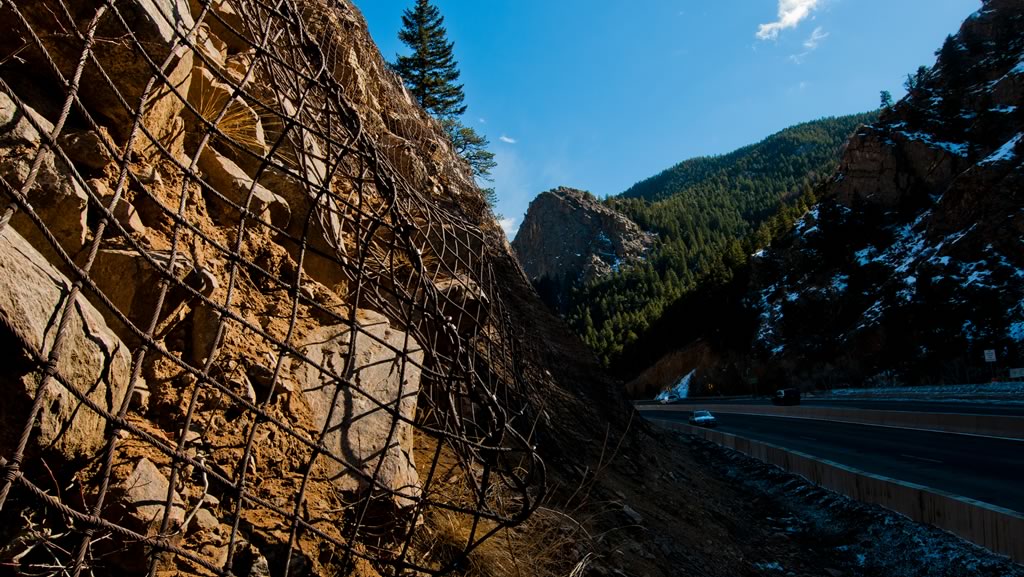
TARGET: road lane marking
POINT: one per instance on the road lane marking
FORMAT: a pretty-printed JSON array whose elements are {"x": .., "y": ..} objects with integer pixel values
[
  {"x": 921, "y": 458},
  {"x": 833, "y": 420}
]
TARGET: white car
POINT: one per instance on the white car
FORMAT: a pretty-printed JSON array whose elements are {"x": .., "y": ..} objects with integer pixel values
[{"x": 703, "y": 419}]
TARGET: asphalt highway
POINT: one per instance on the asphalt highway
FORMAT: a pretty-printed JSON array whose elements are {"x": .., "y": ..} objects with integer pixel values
[
  {"x": 867, "y": 404},
  {"x": 982, "y": 468}
]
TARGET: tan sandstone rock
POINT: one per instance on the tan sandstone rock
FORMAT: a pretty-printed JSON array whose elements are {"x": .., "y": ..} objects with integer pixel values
[
  {"x": 136, "y": 300},
  {"x": 58, "y": 199},
  {"x": 463, "y": 303},
  {"x": 225, "y": 23},
  {"x": 387, "y": 371},
  {"x": 236, "y": 186},
  {"x": 124, "y": 212},
  {"x": 158, "y": 26},
  {"x": 319, "y": 221},
  {"x": 145, "y": 492},
  {"x": 88, "y": 149},
  {"x": 141, "y": 505},
  {"x": 92, "y": 360}
]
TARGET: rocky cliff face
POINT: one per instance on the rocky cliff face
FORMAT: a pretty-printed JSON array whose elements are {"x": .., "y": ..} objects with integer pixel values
[
  {"x": 912, "y": 264},
  {"x": 249, "y": 301},
  {"x": 569, "y": 238}
]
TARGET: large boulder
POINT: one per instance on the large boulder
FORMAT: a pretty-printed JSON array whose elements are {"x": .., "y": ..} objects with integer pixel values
[
  {"x": 124, "y": 212},
  {"x": 145, "y": 498},
  {"x": 463, "y": 303},
  {"x": 225, "y": 23},
  {"x": 58, "y": 199},
  {"x": 90, "y": 150},
  {"x": 882, "y": 166},
  {"x": 92, "y": 359},
  {"x": 317, "y": 208},
  {"x": 387, "y": 372},
  {"x": 141, "y": 490},
  {"x": 228, "y": 179},
  {"x": 316, "y": 221},
  {"x": 464, "y": 310},
  {"x": 137, "y": 300}
]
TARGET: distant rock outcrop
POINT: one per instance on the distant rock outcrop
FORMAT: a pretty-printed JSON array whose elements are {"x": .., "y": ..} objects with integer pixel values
[{"x": 569, "y": 238}]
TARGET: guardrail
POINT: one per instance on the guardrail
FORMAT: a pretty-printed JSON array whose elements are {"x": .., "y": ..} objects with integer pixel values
[
  {"x": 994, "y": 528},
  {"x": 1010, "y": 427}
]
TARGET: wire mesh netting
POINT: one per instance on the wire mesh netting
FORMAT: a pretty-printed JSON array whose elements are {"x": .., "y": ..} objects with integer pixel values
[{"x": 247, "y": 330}]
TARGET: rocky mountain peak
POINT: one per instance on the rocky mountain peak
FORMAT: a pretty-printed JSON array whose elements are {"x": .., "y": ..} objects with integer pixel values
[
  {"x": 568, "y": 237},
  {"x": 911, "y": 265},
  {"x": 955, "y": 115}
]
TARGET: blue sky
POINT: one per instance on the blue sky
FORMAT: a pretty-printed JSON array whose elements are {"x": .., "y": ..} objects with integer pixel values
[{"x": 599, "y": 94}]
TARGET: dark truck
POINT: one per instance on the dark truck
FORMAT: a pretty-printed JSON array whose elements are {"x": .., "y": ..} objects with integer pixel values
[{"x": 786, "y": 397}]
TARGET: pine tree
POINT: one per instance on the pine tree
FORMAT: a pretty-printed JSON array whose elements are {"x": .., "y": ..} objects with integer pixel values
[
  {"x": 916, "y": 81},
  {"x": 886, "y": 97},
  {"x": 472, "y": 146},
  {"x": 430, "y": 72}
]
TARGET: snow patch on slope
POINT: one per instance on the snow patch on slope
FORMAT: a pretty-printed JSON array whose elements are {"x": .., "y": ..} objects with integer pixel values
[
  {"x": 957, "y": 148},
  {"x": 1016, "y": 331},
  {"x": 1005, "y": 153},
  {"x": 770, "y": 316},
  {"x": 804, "y": 226},
  {"x": 840, "y": 282},
  {"x": 680, "y": 391}
]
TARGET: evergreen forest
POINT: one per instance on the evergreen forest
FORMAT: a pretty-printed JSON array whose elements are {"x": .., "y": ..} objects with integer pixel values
[{"x": 709, "y": 215}]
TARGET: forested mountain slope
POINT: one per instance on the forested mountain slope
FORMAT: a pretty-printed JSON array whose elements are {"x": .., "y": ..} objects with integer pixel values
[
  {"x": 707, "y": 215},
  {"x": 782, "y": 159}
]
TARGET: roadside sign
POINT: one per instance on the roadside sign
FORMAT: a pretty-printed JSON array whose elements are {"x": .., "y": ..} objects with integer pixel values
[
  {"x": 990, "y": 356},
  {"x": 1017, "y": 373}
]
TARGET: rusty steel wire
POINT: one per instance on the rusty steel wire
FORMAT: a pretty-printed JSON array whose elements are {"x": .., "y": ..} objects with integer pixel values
[{"x": 362, "y": 248}]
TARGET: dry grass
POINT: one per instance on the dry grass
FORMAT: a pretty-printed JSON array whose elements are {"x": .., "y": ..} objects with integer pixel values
[
  {"x": 239, "y": 122},
  {"x": 555, "y": 541},
  {"x": 549, "y": 544}
]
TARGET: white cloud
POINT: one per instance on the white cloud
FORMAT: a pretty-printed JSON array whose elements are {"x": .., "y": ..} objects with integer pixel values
[
  {"x": 811, "y": 44},
  {"x": 508, "y": 225},
  {"x": 798, "y": 88},
  {"x": 507, "y": 139},
  {"x": 815, "y": 38},
  {"x": 791, "y": 14},
  {"x": 483, "y": 121}
]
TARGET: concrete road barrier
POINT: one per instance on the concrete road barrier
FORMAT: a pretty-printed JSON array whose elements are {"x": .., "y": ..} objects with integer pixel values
[
  {"x": 989, "y": 425},
  {"x": 994, "y": 528}
]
